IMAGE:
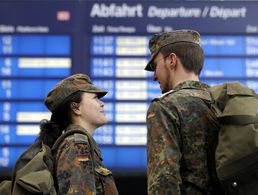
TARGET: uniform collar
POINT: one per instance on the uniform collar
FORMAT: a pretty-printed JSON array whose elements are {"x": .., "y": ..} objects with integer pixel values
[
  {"x": 77, "y": 127},
  {"x": 190, "y": 85}
]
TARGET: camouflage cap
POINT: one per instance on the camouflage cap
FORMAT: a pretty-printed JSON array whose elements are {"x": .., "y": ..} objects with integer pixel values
[
  {"x": 163, "y": 39},
  {"x": 68, "y": 86}
]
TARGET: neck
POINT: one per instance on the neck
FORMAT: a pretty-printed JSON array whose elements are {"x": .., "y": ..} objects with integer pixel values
[
  {"x": 185, "y": 77},
  {"x": 89, "y": 128}
]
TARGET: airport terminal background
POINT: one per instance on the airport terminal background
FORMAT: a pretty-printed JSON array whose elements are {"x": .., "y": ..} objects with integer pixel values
[{"x": 41, "y": 42}]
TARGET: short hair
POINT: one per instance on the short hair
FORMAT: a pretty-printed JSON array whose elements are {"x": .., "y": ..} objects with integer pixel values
[{"x": 191, "y": 55}]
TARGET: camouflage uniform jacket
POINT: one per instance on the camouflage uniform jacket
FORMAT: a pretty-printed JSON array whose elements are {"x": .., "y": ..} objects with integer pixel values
[
  {"x": 74, "y": 168},
  {"x": 179, "y": 124}
]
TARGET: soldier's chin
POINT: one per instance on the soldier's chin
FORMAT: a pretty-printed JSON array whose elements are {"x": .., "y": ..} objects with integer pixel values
[{"x": 106, "y": 120}]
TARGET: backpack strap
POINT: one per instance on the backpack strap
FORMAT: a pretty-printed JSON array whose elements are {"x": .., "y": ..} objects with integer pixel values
[{"x": 238, "y": 119}]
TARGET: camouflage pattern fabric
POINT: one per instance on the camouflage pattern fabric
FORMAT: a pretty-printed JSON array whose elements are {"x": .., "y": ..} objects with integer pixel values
[
  {"x": 179, "y": 124},
  {"x": 68, "y": 86},
  {"x": 163, "y": 39},
  {"x": 160, "y": 40},
  {"x": 74, "y": 171}
]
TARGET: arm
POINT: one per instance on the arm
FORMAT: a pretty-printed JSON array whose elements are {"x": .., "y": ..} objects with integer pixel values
[
  {"x": 163, "y": 150},
  {"x": 75, "y": 168}
]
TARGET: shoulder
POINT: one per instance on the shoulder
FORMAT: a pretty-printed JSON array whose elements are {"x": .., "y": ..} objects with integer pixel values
[
  {"x": 73, "y": 141},
  {"x": 183, "y": 94},
  {"x": 164, "y": 105},
  {"x": 176, "y": 100},
  {"x": 80, "y": 138},
  {"x": 76, "y": 138},
  {"x": 172, "y": 97}
]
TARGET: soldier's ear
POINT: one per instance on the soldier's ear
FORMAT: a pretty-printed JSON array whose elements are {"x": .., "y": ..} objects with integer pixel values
[
  {"x": 75, "y": 108},
  {"x": 172, "y": 59}
]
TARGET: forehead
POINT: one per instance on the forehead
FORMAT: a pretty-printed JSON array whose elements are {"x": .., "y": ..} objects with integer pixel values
[
  {"x": 157, "y": 57},
  {"x": 88, "y": 95}
]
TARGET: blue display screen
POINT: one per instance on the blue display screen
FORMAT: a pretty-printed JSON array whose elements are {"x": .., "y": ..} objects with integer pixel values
[
  {"x": 112, "y": 47},
  {"x": 35, "y": 45}
]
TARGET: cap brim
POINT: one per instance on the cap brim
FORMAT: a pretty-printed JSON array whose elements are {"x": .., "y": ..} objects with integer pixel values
[
  {"x": 100, "y": 93},
  {"x": 148, "y": 66}
]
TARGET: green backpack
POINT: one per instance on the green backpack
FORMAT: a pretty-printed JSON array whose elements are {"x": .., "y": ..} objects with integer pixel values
[
  {"x": 34, "y": 170},
  {"x": 236, "y": 156}
]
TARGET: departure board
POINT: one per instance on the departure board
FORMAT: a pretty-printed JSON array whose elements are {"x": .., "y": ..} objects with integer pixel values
[{"x": 108, "y": 40}]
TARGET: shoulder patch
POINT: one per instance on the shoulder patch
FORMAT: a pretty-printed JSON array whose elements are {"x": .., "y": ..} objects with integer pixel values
[{"x": 80, "y": 138}]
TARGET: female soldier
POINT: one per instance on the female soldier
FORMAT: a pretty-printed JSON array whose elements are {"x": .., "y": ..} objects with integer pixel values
[{"x": 75, "y": 105}]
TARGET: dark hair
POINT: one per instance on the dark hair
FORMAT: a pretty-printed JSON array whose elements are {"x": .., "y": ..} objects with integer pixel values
[
  {"x": 51, "y": 129},
  {"x": 190, "y": 54}
]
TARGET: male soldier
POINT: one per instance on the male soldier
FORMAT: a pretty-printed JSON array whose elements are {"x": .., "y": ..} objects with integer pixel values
[{"x": 180, "y": 122}]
